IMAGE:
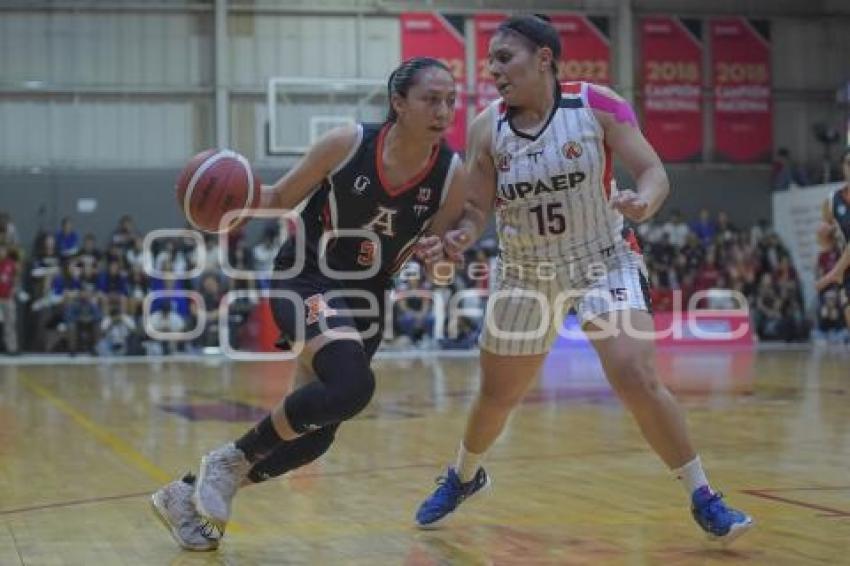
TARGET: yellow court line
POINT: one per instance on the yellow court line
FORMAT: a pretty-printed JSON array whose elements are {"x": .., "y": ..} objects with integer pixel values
[{"x": 108, "y": 439}]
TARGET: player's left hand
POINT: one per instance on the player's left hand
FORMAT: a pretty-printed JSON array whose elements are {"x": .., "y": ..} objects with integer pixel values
[
  {"x": 429, "y": 249},
  {"x": 630, "y": 204}
]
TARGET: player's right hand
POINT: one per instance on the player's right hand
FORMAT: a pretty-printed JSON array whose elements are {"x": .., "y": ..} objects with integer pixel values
[{"x": 455, "y": 243}]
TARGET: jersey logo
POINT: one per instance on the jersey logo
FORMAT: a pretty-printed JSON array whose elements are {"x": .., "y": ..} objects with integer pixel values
[
  {"x": 503, "y": 162},
  {"x": 316, "y": 308},
  {"x": 424, "y": 194},
  {"x": 842, "y": 210},
  {"x": 572, "y": 150},
  {"x": 383, "y": 222},
  {"x": 522, "y": 189},
  {"x": 535, "y": 154},
  {"x": 420, "y": 209},
  {"x": 361, "y": 183}
]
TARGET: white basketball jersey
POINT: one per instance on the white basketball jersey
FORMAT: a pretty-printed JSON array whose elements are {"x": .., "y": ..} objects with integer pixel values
[{"x": 553, "y": 189}]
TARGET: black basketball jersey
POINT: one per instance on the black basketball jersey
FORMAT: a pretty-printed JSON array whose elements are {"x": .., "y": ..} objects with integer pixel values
[
  {"x": 841, "y": 212},
  {"x": 356, "y": 198}
]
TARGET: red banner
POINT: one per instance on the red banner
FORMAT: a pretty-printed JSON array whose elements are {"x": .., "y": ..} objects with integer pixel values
[
  {"x": 485, "y": 88},
  {"x": 671, "y": 72},
  {"x": 743, "y": 121},
  {"x": 586, "y": 53},
  {"x": 428, "y": 34}
]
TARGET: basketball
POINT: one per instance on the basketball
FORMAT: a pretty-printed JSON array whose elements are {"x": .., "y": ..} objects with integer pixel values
[{"x": 213, "y": 183}]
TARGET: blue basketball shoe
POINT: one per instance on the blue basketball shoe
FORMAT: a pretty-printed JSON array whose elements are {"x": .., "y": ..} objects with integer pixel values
[
  {"x": 450, "y": 493},
  {"x": 720, "y": 522}
]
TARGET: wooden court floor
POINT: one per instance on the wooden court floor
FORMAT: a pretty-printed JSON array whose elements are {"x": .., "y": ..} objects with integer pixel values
[{"x": 83, "y": 445}]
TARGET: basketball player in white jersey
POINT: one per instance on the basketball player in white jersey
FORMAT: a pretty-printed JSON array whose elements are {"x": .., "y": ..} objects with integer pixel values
[{"x": 542, "y": 157}]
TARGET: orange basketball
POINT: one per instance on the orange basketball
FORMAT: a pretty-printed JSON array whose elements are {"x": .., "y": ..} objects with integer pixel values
[{"x": 213, "y": 183}]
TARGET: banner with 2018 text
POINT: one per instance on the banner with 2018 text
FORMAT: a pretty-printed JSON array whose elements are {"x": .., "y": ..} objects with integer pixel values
[
  {"x": 430, "y": 34},
  {"x": 743, "y": 119},
  {"x": 671, "y": 77},
  {"x": 585, "y": 45}
]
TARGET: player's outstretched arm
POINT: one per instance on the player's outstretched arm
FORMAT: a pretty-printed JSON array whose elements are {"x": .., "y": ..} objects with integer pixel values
[
  {"x": 429, "y": 248},
  {"x": 322, "y": 158},
  {"x": 480, "y": 189},
  {"x": 623, "y": 136}
]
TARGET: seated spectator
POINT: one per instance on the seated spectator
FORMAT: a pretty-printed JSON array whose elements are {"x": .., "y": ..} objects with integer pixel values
[
  {"x": 135, "y": 255},
  {"x": 768, "y": 310},
  {"x": 213, "y": 255},
  {"x": 726, "y": 231},
  {"x": 761, "y": 229},
  {"x": 676, "y": 229},
  {"x": 89, "y": 255},
  {"x": 124, "y": 234},
  {"x": 167, "y": 321},
  {"x": 9, "y": 275},
  {"x": 650, "y": 231},
  {"x": 68, "y": 283},
  {"x": 117, "y": 331},
  {"x": 264, "y": 253},
  {"x": 704, "y": 228},
  {"x": 164, "y": 258},
  {"x": 67, "y": 239},
  {"x": 662, "y": 252},
  {"x": 772, "y": 251},
  {"x": 794, "y": 325},
  {"x": 137, "y": 289},
  {"x": 240, "y": 259},
  {"x": 81, "y": 320},
  {"x": 830, "y": 324},
  {"x": 112, "y": 285},
  {"x": 8, "y": 232},
  {"x": 693, "y": 251}
]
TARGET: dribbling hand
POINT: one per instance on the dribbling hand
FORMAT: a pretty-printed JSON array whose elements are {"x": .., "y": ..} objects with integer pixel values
[
  {"x": 630, "y": 204},
  {"x": 455, "y": 243},
  {"x": 429, "y": 249}
]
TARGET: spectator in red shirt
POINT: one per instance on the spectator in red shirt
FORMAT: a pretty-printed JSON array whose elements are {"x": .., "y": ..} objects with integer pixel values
[{"x": 8, "y": 282}]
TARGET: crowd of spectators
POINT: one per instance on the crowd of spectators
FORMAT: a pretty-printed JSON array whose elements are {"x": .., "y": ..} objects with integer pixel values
[
  {"x": 69, "y": 294},
  {"x": 73, "y": 294}
]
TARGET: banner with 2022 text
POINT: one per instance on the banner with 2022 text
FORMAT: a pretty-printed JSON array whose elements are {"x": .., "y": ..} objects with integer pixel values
[{"x": 430, "y": 34}]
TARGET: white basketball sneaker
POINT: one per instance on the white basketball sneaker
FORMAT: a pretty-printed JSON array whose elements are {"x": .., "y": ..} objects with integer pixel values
[
  {"x": 222, "y": 472},
  {"x": 174, "y": 508}
]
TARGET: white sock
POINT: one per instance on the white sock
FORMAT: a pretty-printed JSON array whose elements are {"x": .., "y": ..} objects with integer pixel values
[
  {"x": 691, "y": 475},
  {"x": 467, "y": 463}
]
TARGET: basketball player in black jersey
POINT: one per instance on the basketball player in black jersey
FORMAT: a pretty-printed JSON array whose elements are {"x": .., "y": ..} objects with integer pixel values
[
  {"x": 836, "y": 213},
  {"x": 374, "y": 191}
]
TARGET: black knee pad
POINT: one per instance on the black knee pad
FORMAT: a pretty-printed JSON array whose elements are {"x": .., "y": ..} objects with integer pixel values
[{"x": 345, "y": 386}]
